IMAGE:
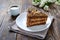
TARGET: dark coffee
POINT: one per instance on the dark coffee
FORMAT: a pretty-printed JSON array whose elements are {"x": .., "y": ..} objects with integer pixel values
[{"x": 14, "y": 6}]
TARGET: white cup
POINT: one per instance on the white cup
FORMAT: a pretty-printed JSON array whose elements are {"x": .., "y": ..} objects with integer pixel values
[{"x": 14, "y": 10}]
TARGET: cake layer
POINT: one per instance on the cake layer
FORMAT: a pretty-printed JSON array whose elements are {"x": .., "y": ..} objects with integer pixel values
[
  {"x": 37, "y": 19},
  {"x": 36, "y": 23},
  {"x": 37, "y": 15}
]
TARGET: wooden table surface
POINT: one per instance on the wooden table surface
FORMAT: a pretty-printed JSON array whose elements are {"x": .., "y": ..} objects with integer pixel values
[{"x": 6, "y": 21}]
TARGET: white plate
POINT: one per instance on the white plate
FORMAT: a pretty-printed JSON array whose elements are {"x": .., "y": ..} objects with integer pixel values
[{"x": 21, "y": 22}]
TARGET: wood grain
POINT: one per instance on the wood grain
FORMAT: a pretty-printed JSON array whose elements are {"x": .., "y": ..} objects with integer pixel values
[
  {"x": 1, "y": 19},
  {"x": 6, "y": 21},
  {"x": 53, "y": 33},
  {"x": 4, "y": 30}
]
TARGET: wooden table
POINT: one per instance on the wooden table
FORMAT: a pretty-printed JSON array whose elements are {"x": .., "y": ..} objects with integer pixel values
[{"x": 6, "y": 21}]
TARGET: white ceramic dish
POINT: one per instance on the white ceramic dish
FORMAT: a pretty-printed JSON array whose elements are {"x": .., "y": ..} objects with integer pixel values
[{"x": 21, "y": 22}]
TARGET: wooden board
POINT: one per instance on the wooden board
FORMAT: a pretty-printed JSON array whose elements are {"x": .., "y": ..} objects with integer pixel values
[
  {"x": 6, "y": 21},
  {"x": 4, "y": 29}
]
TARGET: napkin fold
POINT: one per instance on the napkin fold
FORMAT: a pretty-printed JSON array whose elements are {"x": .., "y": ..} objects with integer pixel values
[{"x": 39, "y": 35}]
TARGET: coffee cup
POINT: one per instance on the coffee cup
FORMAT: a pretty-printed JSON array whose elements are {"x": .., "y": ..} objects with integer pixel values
[{"x": 14, "y": 10}]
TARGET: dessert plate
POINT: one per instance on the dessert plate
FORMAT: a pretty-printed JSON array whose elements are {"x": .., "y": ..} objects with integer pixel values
[{"x": 21, "y": 22}]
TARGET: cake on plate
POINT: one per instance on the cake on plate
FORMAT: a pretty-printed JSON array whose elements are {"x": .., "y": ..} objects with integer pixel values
[{"x": 35, "y": 17}]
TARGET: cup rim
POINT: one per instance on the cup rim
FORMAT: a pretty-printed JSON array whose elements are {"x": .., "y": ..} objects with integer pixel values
[{"x": 13, "y": 6}]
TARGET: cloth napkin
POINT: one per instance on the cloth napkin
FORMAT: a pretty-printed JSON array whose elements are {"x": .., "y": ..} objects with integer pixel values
[{"x": 39, "y": 35}]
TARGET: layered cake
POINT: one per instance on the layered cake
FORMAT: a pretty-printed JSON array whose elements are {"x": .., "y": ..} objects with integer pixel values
[{"x": 35, "y": 17}]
